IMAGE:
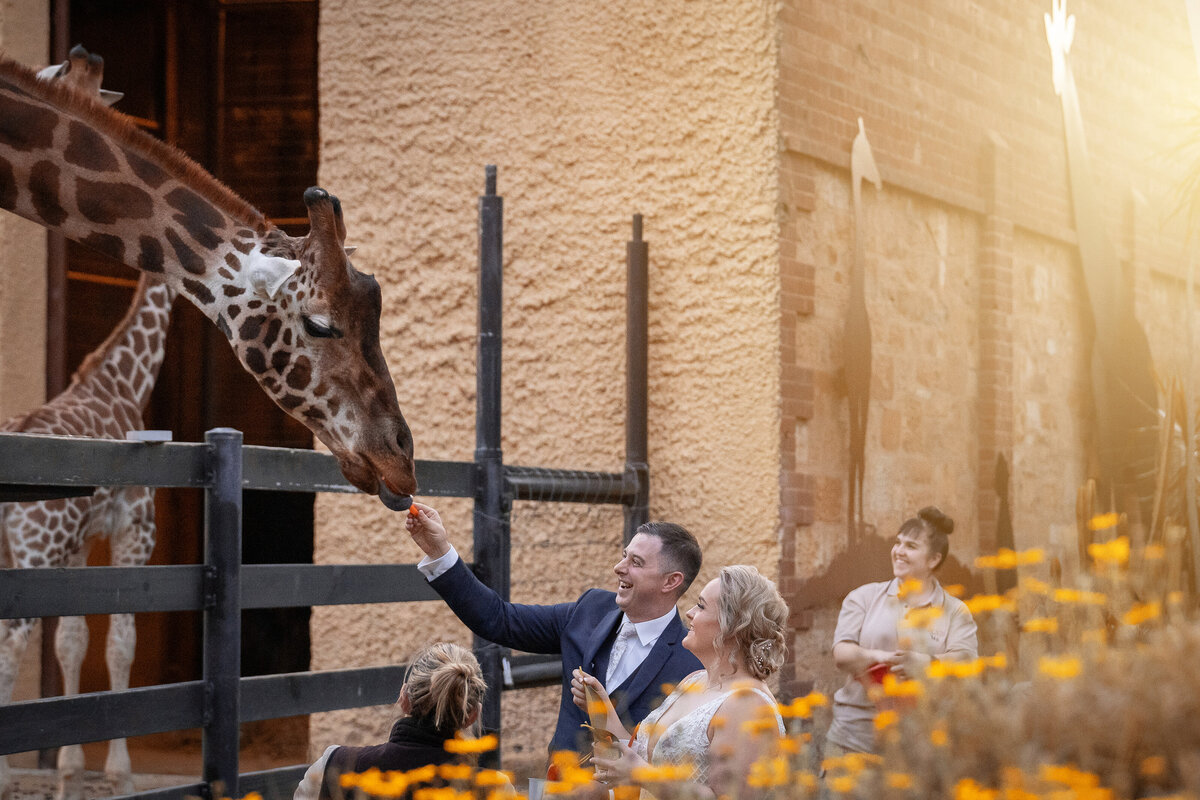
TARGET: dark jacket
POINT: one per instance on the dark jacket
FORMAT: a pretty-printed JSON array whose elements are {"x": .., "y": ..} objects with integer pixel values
[
  {"x": 581, "y": 632},
  {"x": 413, "y": 743}
]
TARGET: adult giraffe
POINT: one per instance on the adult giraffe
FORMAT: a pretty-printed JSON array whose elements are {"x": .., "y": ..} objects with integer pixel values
[{"x": 299, "y": 317}]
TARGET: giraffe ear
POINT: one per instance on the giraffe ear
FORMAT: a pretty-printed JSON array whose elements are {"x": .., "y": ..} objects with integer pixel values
[
  {"x": 266, "y": 274},
  {"x": 350, "y": 250}
]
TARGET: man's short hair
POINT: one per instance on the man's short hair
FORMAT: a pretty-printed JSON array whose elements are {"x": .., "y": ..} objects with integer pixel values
[{"x": 680, "y": 550}]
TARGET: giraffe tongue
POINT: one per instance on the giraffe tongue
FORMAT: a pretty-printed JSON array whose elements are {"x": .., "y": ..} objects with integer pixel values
[{"x": 396, "y": 502}]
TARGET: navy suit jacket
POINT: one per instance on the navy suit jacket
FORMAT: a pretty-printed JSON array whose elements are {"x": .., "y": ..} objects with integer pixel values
[{"x": 579, "y": 631}]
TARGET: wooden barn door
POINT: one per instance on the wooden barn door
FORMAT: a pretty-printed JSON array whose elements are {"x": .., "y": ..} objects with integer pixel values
[{"x": 234, "y": 84}]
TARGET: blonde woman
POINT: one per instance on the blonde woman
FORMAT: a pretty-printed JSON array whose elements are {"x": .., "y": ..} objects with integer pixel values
[
  {"x": 442, "y": 695},
  {"x": 722, "y": 718}
]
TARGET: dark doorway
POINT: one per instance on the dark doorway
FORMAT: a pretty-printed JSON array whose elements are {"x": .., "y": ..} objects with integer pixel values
[{"x": 234, "y": 84}]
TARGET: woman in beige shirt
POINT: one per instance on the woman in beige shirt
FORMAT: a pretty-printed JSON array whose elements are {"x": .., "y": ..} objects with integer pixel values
[{"x": 868, "y": 632}]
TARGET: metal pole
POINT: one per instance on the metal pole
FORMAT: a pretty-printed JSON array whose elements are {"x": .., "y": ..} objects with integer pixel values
[
  {"x": 637, "y": 469},
  {"x": 222, "y": 611},
  {"x": 492, "y": 505}
]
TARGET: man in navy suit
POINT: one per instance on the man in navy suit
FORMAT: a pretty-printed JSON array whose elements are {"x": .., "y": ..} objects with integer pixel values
[{"x": 639, "y": 622}]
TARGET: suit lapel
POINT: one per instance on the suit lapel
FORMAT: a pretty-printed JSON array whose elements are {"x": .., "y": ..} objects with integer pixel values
[
  {"x": 654, "y": 661},
  {"x": 594, "y": 642}
]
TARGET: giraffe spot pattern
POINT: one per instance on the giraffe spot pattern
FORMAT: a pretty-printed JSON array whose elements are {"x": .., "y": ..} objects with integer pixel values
[
  {"x": 108, "y": 244},
  {"x": 272, "y": 332},
  {"x": 87, "y": 149},
  {"x": 8, "y": 186},
  {"x": 243, "y": 246},
  {"x": 197, "y": 216},
  {"x": 287, "y": 337},
  {"x": 198, "y": 290},
  {"x": 280, "y": 359},
  {"x": 25, "y": 126},
  {"x": 188, "y": 258},
  {"x": 233, "y": 291},
  {"x": 224, "y": 273},
  {"x": 301, "y": 373},
  {"x": 149, "y": 172},
  {"x": 233, "y": 262},
  {"x": 106, "y": 202},
  {"x": 44, "y": 191},
  {"x": 314, "y": 414},
  {"x": 251, "y": 327},
  {"x": 291, "y": 402},
  {"x": 233, "y": 311},
  {"x": 224, "y": 326},
  {"x": 256, "y": 361},
  {"x": 254, "y": 305},
  {"x": 150, "y": 255}
]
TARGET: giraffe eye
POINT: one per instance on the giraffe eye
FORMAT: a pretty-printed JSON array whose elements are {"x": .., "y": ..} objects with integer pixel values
[{"x": 319, "y": 328}]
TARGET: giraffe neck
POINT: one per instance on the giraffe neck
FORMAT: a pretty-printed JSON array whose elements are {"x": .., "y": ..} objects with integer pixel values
[
  {"x": 126, "y": 365},
  {"x": 77, "y": 167}
]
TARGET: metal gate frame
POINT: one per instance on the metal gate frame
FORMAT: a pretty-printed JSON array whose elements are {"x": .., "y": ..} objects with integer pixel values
[{"x": 39, "y": 467}]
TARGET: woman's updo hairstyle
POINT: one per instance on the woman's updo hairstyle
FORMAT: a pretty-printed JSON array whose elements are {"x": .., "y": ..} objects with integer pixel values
[
  {"x": 753, "y": 616},
  {"x": 937, "y": 526},
  {"x": 445, "y": 685}
]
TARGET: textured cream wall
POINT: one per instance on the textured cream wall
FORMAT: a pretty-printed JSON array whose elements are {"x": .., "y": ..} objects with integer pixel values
[
  {"x": 25, "y": 36},
  {"x": 593, "y": 111}
]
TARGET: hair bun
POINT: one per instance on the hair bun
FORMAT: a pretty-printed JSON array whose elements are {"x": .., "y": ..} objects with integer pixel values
[{"x": 933, "y": 516}]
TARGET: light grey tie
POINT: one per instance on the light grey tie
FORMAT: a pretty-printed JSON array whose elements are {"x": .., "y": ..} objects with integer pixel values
[{"x": 620, "y": 645}]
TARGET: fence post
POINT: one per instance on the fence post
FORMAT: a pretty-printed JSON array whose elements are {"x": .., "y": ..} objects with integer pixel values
[
  {"x": 222, "y": 610},
  {"x": 637, "y": 315},
  {"x": 492, "y": 502}
]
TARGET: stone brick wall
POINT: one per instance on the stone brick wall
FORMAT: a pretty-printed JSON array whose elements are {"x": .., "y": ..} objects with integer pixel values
[{"x": 981, "y": 322}]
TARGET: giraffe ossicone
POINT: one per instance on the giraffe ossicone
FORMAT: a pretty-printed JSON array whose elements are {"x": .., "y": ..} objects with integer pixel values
[{"x": 300, "y": 318}]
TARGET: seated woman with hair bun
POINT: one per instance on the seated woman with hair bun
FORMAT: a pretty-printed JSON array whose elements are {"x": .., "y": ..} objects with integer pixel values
[
  {"x": 868, "y": 640},
  {"x": 720, "y": 719},
  {"x": 442, "y": 694}
]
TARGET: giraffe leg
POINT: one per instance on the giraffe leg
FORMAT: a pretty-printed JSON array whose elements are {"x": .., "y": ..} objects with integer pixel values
[
  {"x": 122, "y": 638},
  {"x": 131, "y": 545},
  {"x": 70, "y": 645},
  {"x": 14, "y": 635}
]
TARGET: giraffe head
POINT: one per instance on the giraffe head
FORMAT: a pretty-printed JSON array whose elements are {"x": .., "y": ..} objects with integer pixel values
[
  {"x": 305, "y": 323},
  {"x": 84, "y": 71}
]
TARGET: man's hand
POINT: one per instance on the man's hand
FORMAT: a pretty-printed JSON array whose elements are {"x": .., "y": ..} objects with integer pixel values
[{"x": 426, "y": 529}]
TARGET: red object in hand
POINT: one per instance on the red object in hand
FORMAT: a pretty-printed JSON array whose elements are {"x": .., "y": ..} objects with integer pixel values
[
  {"x": 877, "y": 671},
  {"x": 414, "y": 511}
]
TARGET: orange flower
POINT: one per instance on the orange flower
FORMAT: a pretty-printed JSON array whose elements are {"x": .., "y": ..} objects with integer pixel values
[
  {"x": 1041, "y": 625},
  {"x": 886, "y": 719},
  {"x": 483, "y": 744}
]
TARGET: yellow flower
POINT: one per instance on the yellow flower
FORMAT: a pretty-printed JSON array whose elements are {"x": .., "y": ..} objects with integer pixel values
[
  {"x": 505, "y": 794},
  {"x": 1142, "y": 612},
  {"x": 757, "y": 727},
  {"x": 894, "y": 687},
  {"x": 956, "y": 669},
  {"x": 1077, "y": 597},
  {"x": 802, "y": 706},
  {"x": 1041, "y": 625},
  {"x": 1114, "y": 552},
  {"x": 1005, "y": 558},
  {"x": 667, "y": 773},
  {"x": 989, "y": 602},
  {"x": 1068, "y": 775},
  {"x": 667, "y": 688},
  {"x": 899, "y": 780},
  {"x": 1059, "y": 668},
  {"x": 955, "y": 590},
  {"x": 967, "y": 789},
  {"x": 998, "y": 661},
  {"x": 790, "y": 746},
  {"x": 483, "y": 744},
  {"x": 422, "y": 774},
  {"x": 842, "y": 784},
  {"x": 493, "y": 777},
  {"x": 907, "y": 587},
  {"x": 767, "y": 773},
  {"x": 1102, "y": 521},
  {"x": 455, "y": 772},
  {"x": 1153, "y": 766},
  {"x": 886, "y": 719},
  {"x": 938, "y": 737},
  {"x": 1034, "y": 586},
  {"x": 922, "y": 617},
  {"x": 807, "y": 780},
  {"x": 851, "y": 762}
]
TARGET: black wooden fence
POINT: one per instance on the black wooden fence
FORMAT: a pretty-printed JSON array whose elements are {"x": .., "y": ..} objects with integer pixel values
[{"x": 33, "y": 467}]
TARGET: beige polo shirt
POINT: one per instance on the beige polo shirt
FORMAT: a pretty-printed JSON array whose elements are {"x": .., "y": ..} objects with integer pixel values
[{"x": 870, "y": 618}]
